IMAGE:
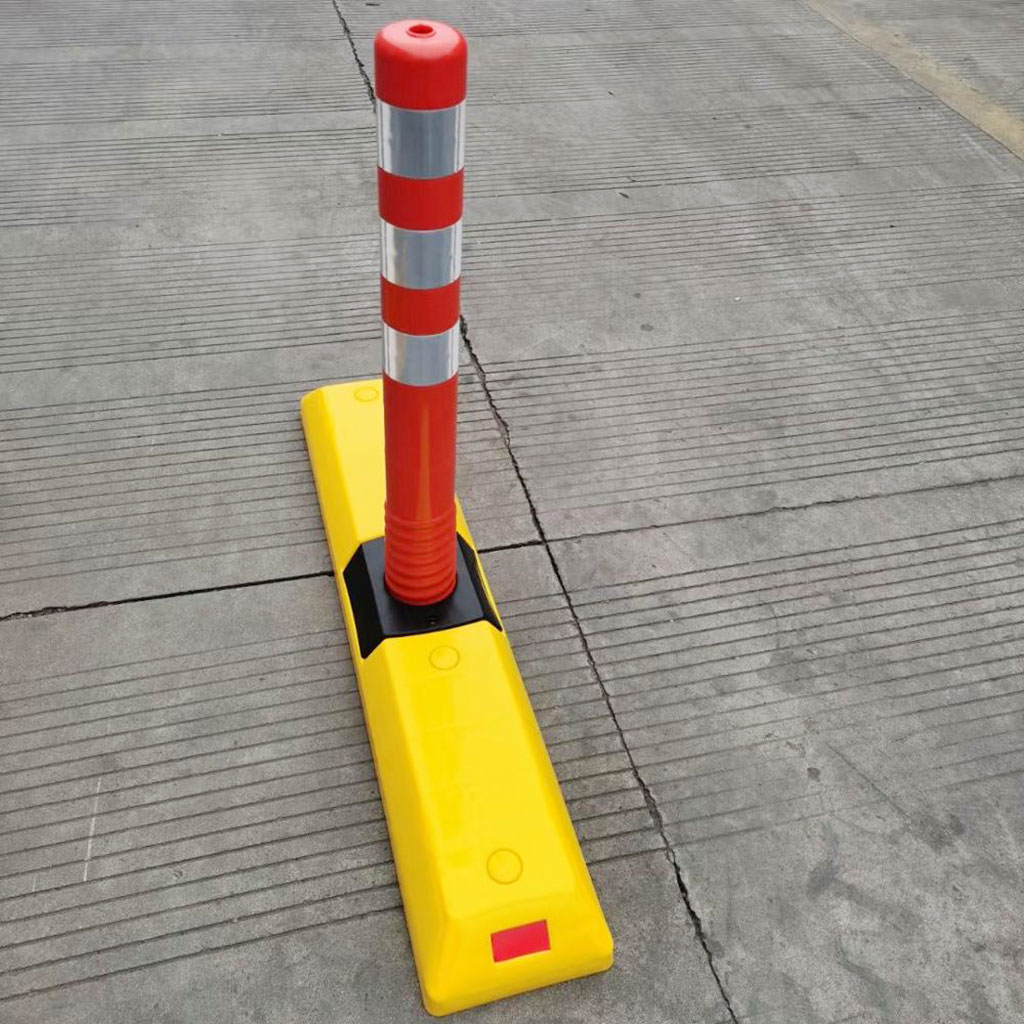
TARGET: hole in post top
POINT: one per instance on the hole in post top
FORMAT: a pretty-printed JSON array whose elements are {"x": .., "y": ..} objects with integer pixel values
[{"x": 421, "y": 30}]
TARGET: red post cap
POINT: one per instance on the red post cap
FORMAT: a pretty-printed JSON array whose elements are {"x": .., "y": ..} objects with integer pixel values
[{"x": 420, "y": 65}]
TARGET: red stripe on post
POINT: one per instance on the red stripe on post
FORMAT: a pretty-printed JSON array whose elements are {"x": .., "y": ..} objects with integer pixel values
[
  {"x": 419, "y": 311},
  {"x": 419, "y": 204},
  {"x": 520, "y": 941},
  {"x": 420, "y": 65}
]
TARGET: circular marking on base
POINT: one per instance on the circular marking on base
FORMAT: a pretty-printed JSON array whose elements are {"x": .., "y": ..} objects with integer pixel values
[
  {"x": 444, "y": 657},
  {"x": 366, "y": 393},
  {"x": 504, "y": 866}
]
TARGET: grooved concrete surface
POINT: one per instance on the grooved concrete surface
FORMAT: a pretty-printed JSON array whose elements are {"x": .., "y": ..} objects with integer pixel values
[{"x": 740, "y": 431}]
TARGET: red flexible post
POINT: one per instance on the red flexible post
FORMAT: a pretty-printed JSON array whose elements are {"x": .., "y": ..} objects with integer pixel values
[{"x": 420, "y": 69}]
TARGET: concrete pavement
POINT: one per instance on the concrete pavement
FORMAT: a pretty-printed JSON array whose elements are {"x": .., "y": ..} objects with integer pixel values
[{"x": 740, "y": 438}]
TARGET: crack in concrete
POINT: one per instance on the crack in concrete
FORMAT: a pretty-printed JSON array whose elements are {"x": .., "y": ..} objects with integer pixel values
[
  {"x": 364, "y": 74},
  {"x": 649, "y": 800},
  {"x": 509, "y": 547},
  {"x": 56, "y": 609}
]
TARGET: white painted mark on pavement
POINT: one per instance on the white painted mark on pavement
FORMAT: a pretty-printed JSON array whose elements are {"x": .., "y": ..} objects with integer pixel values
[{"x": 92, "y": 830}]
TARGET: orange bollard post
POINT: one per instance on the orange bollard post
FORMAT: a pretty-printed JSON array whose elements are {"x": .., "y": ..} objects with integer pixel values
[{"x": 421, "y": 90}]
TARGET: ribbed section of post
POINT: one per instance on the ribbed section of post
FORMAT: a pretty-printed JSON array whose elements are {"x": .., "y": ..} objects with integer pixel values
[{"x": 420, "y": 71}]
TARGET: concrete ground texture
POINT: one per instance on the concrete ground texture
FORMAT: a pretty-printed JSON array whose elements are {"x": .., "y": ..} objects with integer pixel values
[{"x": 741, "y": 441}]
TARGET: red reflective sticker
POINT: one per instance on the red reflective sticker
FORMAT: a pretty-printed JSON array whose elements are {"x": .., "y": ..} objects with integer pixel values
[{"x": 518, "y": 941}]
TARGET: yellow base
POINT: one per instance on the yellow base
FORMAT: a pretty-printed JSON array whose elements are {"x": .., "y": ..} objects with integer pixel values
[{"x": 480, "y": 834}]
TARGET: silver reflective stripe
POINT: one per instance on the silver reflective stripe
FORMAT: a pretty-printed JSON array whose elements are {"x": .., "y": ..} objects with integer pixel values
[
  {"x": 421, "y": 359},
  {"x": 420, "y": 259},
  {"x": 420, "y": 143}
]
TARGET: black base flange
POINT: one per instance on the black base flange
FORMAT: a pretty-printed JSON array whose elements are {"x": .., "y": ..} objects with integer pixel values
[{"x": 379, "y": 616}]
